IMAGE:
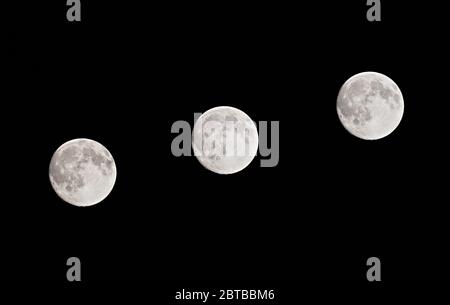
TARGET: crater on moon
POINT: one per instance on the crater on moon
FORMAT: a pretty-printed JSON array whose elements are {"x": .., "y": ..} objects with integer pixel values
[
  {"x": 82, "y": 172},
  {"x": 370, "y": 105}
]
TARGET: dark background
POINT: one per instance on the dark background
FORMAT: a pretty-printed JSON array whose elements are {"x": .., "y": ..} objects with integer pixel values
[{"x": 128, "y": 71}]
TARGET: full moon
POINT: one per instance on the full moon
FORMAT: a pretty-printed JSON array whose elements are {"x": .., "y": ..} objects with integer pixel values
[
  {"x": 370, "y": 105},
  {"x": 82, "y": 172},
  {"x": 225, "y": 140}
]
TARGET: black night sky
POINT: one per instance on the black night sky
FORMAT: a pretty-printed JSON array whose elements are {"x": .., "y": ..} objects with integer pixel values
[{"x": 126, "y": 72}]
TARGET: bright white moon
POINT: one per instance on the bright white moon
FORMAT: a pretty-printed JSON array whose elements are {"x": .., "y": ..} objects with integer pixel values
[
  {"x": 225, "y": 140},
  {"x": 82, "y": 172},
  {"x": 370, "y": 105}
]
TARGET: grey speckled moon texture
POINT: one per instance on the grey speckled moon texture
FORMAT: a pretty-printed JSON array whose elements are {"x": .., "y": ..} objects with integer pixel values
[
  {"x": 225, "y": 140},
  {"x": 370, "y": 105},
  {"x": 82, "y": 172}
]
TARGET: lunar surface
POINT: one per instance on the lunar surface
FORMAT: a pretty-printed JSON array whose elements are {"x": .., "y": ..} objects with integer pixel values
[
  {"x": 370, "y": 105},
  {"x": 225, "y": 140},
  {"x": 82, "y": 172}
]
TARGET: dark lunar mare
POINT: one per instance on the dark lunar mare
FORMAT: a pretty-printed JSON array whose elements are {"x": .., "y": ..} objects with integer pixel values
[{"x": 73, "y": 154}]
